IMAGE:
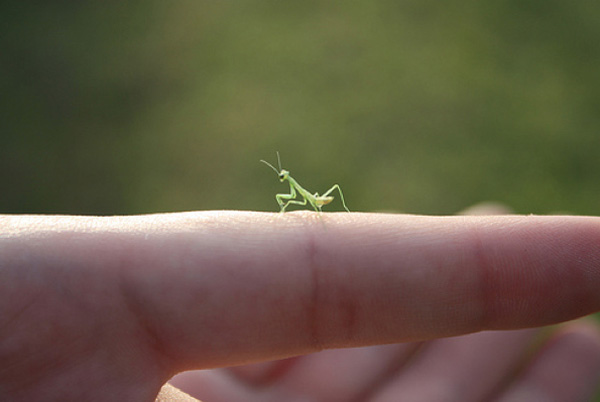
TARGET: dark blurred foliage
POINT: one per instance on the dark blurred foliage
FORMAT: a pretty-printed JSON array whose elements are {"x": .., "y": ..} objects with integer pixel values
[{"x": 415, "y": 106}]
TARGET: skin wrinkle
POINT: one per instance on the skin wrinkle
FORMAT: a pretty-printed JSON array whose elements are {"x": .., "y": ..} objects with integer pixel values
[
  {"x": 336, "y": 306},
  {"x": 77, "y": 339},
  {"x": 588, "y": 275},
  {"x": 347, "y": 297},
  {"x": 141, "y": 286},
  {"x": 105, "y": 326},
  {"x": 145, "y": 314},
  {"x": 485, "y": 283},
  {"x": 314, "y": 302},
  {"x": 24, "y": 345},
  {"x": 318, "y": 305},
  {"x": 348, "y": 310},
  {"x": 149, "y": 345},
  {"x": 147, "y": 328},
  {"x": 495, "y": 281},
  {"x": 10, "y": 322},
  {"x": 339, "y": 306},
  {"x": 488, "y": 268}
]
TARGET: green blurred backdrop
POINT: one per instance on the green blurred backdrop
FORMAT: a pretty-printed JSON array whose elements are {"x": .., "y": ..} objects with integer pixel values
[{"x": 417, "y": 106}]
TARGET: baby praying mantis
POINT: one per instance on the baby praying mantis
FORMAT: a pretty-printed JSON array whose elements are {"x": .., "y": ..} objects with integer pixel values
[{"x": 315, "y": 200}]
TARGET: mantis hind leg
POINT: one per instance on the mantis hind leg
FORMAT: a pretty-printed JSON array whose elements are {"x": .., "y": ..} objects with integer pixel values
[{"x": 337, "y": 187}]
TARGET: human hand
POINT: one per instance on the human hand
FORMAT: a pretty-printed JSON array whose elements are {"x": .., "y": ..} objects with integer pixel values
[
  {"x": 520, "y": 365},
  {"x": 110, "y": 308}
]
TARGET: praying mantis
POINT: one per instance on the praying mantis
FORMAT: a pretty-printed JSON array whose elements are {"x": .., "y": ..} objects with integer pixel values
[{"x": 315, "y": 200}]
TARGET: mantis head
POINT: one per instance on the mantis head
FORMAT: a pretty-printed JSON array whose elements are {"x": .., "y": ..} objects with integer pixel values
[{"x": 282, "y": 173}]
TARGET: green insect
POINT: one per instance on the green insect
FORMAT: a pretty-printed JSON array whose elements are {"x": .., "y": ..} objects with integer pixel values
[{"x": 317, "y": 201}]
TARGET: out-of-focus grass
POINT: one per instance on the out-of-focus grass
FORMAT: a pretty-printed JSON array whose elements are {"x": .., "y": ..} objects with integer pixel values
[
  {"x": 415, "y": 106},
  {"x": 418, "y": 106}
]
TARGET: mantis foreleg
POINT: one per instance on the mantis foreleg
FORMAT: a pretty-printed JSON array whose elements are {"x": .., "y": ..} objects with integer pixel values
[{"x": 290, "y": 199}]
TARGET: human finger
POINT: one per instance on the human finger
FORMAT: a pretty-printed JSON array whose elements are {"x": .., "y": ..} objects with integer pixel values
[
  {"x": 331, "y": 375},
  {"x": 566, "y": 369},
  {"x": 464, "y": 368},
  {"x": 221, "y": 288}
]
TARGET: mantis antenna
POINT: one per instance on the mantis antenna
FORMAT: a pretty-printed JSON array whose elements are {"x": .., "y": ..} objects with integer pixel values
[{"x": 269, "y": 165}]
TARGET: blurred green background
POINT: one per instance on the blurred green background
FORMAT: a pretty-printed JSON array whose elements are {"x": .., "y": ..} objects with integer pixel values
[{"x": 417, "y": 106}]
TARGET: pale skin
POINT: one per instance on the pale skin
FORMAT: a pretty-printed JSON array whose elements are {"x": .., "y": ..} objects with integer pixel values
[
  {"x": 315, "y": 200},
  {"x": 104, "y": 309}
]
